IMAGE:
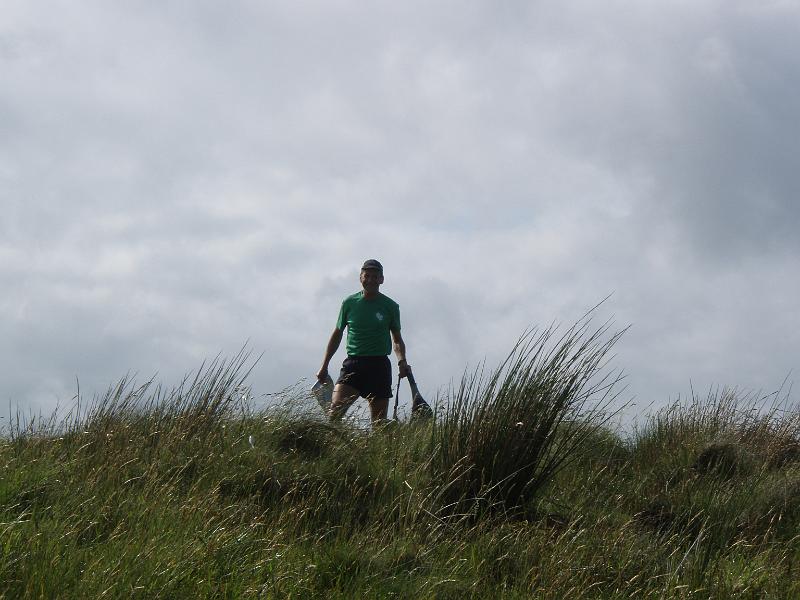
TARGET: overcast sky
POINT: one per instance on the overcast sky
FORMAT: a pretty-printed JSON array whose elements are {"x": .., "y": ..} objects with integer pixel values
[{"x": 178, "y": 178}]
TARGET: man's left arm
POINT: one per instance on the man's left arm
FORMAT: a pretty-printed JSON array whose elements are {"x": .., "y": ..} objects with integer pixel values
[{"x": 400, "y": 352}]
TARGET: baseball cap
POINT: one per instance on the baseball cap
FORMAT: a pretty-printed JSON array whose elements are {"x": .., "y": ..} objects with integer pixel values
[{"x": 372, "y": 264}]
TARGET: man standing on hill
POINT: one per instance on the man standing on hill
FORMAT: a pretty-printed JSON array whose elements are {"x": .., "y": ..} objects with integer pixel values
[{"x": 373, "y": 327}]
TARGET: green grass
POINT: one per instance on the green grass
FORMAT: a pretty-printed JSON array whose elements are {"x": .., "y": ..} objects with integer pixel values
[{"x": 518, "y": 489}]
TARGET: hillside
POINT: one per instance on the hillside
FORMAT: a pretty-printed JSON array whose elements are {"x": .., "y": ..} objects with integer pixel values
[{"x": 518, "y": 489}]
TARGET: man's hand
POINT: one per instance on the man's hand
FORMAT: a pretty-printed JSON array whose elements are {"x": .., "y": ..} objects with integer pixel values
[
  {"x": 322, "y": 374},
  {"x": 403, "y": 368}
]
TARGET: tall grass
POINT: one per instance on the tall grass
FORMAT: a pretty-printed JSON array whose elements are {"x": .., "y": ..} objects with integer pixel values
[
  {"x": 721, "y": 469},
  {"x": 190, "y": 492},
  {"x": 505, "y": 434},
  {"x": 764, "y": 424}
]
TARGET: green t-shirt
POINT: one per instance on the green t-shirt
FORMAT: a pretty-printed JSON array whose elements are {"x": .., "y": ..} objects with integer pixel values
[{"x": 368, "y": 324}]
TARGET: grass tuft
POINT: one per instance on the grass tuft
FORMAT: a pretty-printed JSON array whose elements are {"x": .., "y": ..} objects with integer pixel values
[
  {"x": 724, "y": 459},
  {"x": 505, "y": 435}
]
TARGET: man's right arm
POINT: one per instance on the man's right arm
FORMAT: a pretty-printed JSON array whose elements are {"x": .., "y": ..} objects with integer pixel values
[{"x": 333, "y": 346}]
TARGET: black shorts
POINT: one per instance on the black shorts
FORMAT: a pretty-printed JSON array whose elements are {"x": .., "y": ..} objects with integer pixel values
[{"x": 370, "y": 375}]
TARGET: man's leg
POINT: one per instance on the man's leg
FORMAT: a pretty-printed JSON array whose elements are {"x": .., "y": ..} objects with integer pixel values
[
  {"x": 379, "y": 409},
  {"x": 343, "y": 397}
]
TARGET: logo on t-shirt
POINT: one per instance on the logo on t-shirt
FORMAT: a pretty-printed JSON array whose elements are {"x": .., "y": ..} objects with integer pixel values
[{"x": 379, "y": 316}]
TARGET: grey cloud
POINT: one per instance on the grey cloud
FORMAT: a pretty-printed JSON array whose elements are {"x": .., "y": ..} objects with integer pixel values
[{"x": 176, "y": 181}]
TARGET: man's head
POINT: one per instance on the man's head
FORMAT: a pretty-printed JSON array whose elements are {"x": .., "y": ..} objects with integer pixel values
[
  {"x": 372, "y": 265},
  {"x": 371, "y": 275}
]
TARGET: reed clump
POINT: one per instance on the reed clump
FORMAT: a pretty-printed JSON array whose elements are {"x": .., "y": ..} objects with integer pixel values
[{"x": 505, "y": 434}]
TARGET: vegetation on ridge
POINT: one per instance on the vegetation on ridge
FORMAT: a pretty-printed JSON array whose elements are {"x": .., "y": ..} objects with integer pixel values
[{"x": 518, "y": 489}]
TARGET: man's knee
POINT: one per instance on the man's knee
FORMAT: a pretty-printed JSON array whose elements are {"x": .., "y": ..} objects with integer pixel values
[{"x": 343, "y": 397}]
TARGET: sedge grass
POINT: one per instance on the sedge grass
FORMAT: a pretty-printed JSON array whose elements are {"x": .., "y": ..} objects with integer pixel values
[
  {"x": 158, "y": 492},
  {"x": 505, "y": 434}
]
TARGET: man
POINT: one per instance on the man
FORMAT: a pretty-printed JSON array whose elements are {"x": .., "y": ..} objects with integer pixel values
[{"x": 373, "y": 328}]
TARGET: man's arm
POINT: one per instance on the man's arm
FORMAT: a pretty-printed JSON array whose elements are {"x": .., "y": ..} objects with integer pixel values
[
  {"x": 400, "y": 352},
  {"x": 333, "y": 346}
]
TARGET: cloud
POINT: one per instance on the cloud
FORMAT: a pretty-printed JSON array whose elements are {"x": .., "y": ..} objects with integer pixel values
[{"x": 177, "y": 180}]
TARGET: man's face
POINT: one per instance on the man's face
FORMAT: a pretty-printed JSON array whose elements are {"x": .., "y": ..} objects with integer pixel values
[{"x": 371, "y": 279}]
